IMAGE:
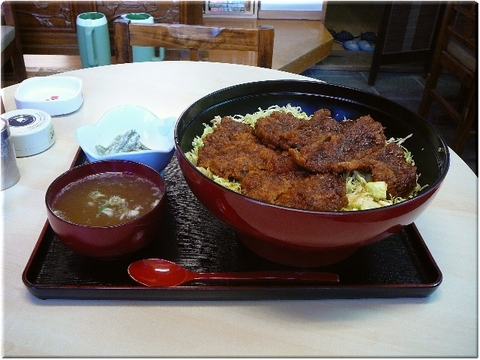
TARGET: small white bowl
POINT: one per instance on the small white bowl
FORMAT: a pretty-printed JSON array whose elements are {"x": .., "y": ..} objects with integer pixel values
[
  {"x": 56, "y": 95},
  {"x": 155, "y": 133}
]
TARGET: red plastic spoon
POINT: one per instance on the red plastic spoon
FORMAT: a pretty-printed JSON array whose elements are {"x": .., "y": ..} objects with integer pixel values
[{"x": 160, "y": 273}]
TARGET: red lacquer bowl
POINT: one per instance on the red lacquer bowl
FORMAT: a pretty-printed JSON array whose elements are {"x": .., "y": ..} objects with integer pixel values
[
  {"x": 299, "y": 237},
  {"x": 106, "y": 242}
]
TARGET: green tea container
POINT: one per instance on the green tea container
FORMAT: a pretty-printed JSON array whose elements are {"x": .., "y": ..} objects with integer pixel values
[
  {"x": 144, "y": 53},
  {"x": 93, "y": 39}
]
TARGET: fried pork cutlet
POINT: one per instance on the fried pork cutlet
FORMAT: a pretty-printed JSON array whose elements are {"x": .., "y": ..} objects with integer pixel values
[
  {"x": 355, "y": 140},
  {"x": 282, "y": 130},
  {"x": 387, "y": 164},
  {"x": 232, "y": 151},
  {"x": 273, "y": 130},
  {"x": 319, "y": 192},
  {"x": 267, "y": 185}
]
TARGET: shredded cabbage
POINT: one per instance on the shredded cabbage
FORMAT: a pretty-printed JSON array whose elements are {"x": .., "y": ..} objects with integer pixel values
[{"x": 362, "y": 192}]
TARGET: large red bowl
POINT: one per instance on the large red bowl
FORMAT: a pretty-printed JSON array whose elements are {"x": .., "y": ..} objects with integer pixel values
[
  {"x": 299, "y": 237},
  {"x": 106, "y": 242}
]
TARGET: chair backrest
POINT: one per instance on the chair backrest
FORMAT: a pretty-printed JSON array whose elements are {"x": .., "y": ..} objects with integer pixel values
[
  {"x": 194, "y": 38},
  {"x": 458, "y": 39},
  {"x": 456, "y": 54},
  {"x": 407, "y": 32},
  {"x": 11, "y": 44}
]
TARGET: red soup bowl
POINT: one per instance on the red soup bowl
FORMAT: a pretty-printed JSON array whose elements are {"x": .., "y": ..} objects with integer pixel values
[
  {"x": 300, "y": 237},
  {"x": 112, "y": 241}
]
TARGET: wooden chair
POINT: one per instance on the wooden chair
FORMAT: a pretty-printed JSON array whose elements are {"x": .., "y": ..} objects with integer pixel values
[
  {"x": 407, "y": 33},
  {"x": 11, "y": 44},
  {"x": 193, "y": 38},
  {"x": 456, "y": 54}
]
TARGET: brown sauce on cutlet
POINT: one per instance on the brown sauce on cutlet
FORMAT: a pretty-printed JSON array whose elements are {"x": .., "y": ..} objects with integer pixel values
[{"x": 302, "y": 163}]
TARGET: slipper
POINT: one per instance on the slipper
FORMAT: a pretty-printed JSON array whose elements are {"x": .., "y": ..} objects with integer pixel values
[
  {"x": 342, "y": 36},
  {"x": 364, "y": 45},
  {"x": 332, "y": 32},
  {"x": 368, "y": 36},
  {"x": 351, "y": 45}
]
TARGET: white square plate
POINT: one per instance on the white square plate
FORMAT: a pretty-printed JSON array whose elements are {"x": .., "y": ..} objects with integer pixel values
[{"x": 56, "y": 95}]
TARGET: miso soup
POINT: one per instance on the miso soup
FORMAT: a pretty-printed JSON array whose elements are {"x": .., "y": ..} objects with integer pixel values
[{"x": 106, "y": 199}]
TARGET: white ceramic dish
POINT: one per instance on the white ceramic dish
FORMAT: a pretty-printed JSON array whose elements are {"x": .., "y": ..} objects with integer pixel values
[
  {"x": 155, "y": 133},
  {"x": 56, "y": 95}
]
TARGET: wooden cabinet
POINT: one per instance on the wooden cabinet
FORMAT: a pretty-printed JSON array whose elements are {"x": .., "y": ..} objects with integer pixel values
[{"x": 48, "y": 27}]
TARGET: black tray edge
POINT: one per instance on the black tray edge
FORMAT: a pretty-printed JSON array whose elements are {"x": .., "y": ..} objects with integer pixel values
[{"x": 202, "y": 292}]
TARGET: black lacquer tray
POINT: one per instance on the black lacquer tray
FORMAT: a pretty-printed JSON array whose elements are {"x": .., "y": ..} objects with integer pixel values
[{"x": 399, "y": 266}]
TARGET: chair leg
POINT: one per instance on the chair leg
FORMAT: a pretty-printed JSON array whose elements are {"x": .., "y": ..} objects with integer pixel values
[
  {"x": 379, "y": 44},
  {"x": 374, "y": 68},
  {"x": 426, "y": 102},
  {"x": 464, "y": 128},
  {"x": 19, "y": 66},
  {"x": 430, "y": 84}
]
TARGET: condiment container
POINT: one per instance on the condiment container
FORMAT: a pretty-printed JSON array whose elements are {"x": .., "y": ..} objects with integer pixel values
[
  {"x": 31, "y": 131},
  {"x": 10, "y": 171}
]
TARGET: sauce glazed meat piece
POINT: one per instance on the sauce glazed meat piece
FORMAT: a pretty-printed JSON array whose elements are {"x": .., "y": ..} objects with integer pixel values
[
  {"x": 355, "y": 140},
  {"x": 268, "y": 186},
  {"x": 319, "y": 192},
  {"x": 273, "y": 130},
  {"x": 387, "y": 164},
  {"x": 232, "y": 151},
  {"x": 300, "y": 190},
  {"x": 282, "y": 130}
]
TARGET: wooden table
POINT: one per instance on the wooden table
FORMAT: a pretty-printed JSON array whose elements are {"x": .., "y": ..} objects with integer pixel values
[{"x": 443, "y": 324}]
